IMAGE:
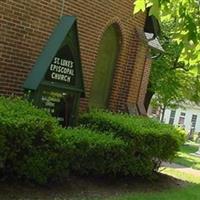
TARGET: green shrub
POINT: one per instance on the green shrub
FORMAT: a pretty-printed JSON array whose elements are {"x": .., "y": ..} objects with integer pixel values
[
  {"x": 151, "y": 141},
  {"x": 89, "y": 152},
  {"x": 24, "y": 131},
  {"x": 78, "y": 151},
  {"x": 33, "y": 146}
]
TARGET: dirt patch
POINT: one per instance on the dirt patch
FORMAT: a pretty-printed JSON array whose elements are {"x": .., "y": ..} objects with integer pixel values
[{"x": 87, "y": 188}]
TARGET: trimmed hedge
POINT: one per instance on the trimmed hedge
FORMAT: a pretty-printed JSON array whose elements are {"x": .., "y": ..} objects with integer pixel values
[
  {"x": 151, "y": 141},
  {"x": 93, "y": 153},
  {"x": 27, "y": 136},
  {"x": 33, "y": 146},
  {"x": 78, "y": 151}
]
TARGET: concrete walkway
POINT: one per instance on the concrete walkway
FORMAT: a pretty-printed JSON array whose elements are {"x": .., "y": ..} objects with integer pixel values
[{"x": 181, "y": 168}]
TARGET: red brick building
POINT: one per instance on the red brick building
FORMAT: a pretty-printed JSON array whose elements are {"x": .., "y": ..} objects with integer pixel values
[{"x": 115, "y": 60}]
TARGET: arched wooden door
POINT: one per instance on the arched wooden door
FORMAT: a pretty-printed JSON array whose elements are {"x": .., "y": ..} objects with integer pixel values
[{"x": 104, "y": 69}]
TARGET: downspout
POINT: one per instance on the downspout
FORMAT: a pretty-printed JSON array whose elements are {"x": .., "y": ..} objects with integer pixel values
[{"x": 62, "y": 8}]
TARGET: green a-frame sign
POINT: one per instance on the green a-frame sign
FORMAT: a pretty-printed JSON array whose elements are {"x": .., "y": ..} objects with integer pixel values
[{"x": 56, "y": 80}]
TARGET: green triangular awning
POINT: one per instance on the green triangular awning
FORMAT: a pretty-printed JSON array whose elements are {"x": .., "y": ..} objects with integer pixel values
[{"x": 65, "y": 36}]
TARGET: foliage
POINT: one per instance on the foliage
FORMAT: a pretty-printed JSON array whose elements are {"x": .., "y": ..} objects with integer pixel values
[
  {"x": 151, "y": 141},
  {"x": 172, "y": 81},
  {"x": 78, "y": 151},
  {"x": 34, "y": 147},
  {"x": 27, "y": 138},
  {"x": 186, "y": 18},
  {"x": 89, "y": 152},
  {"x": 174, "y": 76}
]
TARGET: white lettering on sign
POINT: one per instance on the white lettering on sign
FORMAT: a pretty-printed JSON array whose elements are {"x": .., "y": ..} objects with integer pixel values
[
  {"x": 66, "y": 63},
  {"x": 56, "y": 61},
  {"x": 61, "y": 77},
  {"x": 62, "y": 70}
]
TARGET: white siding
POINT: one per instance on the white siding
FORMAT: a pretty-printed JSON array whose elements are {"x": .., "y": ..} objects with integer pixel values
[{"x": 189, "y": 111}]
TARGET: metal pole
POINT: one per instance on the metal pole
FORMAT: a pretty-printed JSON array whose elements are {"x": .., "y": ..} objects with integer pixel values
[{"x": 62, "y": 8}]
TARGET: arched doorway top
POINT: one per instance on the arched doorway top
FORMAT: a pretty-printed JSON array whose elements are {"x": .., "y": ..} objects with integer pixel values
[
  {"x": 105, "y": 66},
  {"x": 117, "y": 24}
]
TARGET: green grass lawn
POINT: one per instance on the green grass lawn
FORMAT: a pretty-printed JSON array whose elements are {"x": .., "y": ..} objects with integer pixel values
[
  {"x": 189, "y": 192},
  {"x": 185, "y": 158}
]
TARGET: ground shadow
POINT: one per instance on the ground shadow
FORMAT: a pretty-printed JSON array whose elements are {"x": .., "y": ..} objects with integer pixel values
[{"x": 89, "y": 188}]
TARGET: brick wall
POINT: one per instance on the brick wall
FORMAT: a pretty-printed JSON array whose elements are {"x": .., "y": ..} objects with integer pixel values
[{"x": 25, "y": 26}]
